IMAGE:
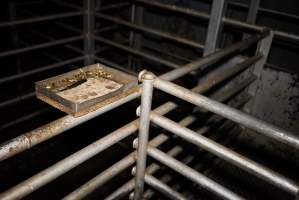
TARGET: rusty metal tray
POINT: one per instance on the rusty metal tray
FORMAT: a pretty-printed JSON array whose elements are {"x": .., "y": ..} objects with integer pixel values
[{"x": 81, "y": 91}]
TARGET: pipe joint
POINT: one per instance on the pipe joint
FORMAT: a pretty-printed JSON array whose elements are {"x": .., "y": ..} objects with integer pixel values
[{"x": 146, "y": 75}]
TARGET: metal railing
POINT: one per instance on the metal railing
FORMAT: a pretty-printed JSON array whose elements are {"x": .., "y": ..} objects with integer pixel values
[
  {"x": 149, "y": 82},
  {"x": 39, "y": 135},
  {"x": 32, "y": 138}
]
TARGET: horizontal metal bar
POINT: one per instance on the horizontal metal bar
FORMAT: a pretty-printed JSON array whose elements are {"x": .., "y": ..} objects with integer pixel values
[
  {"x": 163, "y": 188},
  {"x": 175, "y": 8},
  {"x": 41, "y": 69},
  {"x": 156, "y": 32},
  {"x": 209, "y": 82},
  {"x": 102, "y": 178},
  {"x": 68, "y": 5},
  {"x": 40, "y": 46},
  {"x": 23, "y": 118},
  {"x": 114, "y": 65},
  {"x": 17, "y": 99},
  {"x": 192, "y": 174},
  {"x": 233, "y": 90},
  {"x": 233, "y": 114},
  {"x": 49, "y": 174},
  {"x": 226, "y": 154},
  {"x": 166, "y": 53},
  {"x": 40, "y": 19},
  {"x": 106, "y": 29},
  {"x": 136, "y": 52},
  {"x": 227, "y": 21},
  {"x": 34, "y": 137},
  {"x": 210, "y": 59},
  {"x": 265, "y": 10},
  {"x": 97, "y": 181},
  {"x": 113, "y": 6}
]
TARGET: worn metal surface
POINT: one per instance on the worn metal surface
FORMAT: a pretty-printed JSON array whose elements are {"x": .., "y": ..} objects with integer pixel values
[
  {"x": 43, "y": 133},
  {"x": 152, "y": 31},
  {"x": 97, "y": 181},
  {"x": 89, "y": 28},
  {"x": 77, "y": 91},
  {"x": 227, "y": 21},
  {"x": 163, "y": 188},
  {"x": 215, "y": 26},
  {"x": 192, "y": 174},
  {"x": 143, "y": 135},
  {"x": 227, "y": 154},
  {"x": 263, "y": 48},
  {"x": 235, "y": 115}
]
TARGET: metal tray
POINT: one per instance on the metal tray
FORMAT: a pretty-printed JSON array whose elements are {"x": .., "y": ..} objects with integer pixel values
[{"x": 87, "y": 89}]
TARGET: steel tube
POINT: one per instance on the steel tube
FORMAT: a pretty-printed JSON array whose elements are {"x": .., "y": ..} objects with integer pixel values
[
  {"x": 132, "y": 35},
  {"x": 17, "y": 99},
  {"x": 40, "y": 69},
  {"x": 266, "y": 10},
  {"x": 43, "y": 133},
  {"x": 227, "y": 154},
  {"x": 136, "y": 52},
  {"x": 215, "y": 26},
  {"x": 114, "y": 65},
  {"x": 227, "y": 21},
  {"x": 113, "y": 6},
  {"x": 23, "y": 118},
  {"x": 208, "y": 60},
  {"x": 229, "y": 113},
  {"x": 102, "y": 178},
  {"x": 26, "y": 187},
  {"x": 89, "y": 28},
  {"x": 40, "y": 46},
  {"x": 152, "y": 31},
  {"x": 99, "y": 180},
  {"x": 144, "y": 124},
  {"x": 253, "y": 11},
  {"x": 163, "y": 188},
  {"x": 40, "y": 19},
  {"x": 68, "y": 5},
  {"x": 192, "y": 174},
  {"x": 210, "y": 81}
]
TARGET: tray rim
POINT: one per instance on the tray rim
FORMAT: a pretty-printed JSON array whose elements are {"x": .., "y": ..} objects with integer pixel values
[{"x": 50, "y": 97}]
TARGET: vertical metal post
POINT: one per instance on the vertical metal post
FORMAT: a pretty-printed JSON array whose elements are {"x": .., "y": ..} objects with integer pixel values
[
  {"x": 253, "y": 11},
  {"x": 263, "y": 48},
  {"x": 12, "y": 8},
  {"x": 137, "y": 42},
  {"x": 215, "y": 26},
  {"x": 132, "y": 35},
  {"x": 89, "y": 27},
  {"x": 145, "y": 109}
]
